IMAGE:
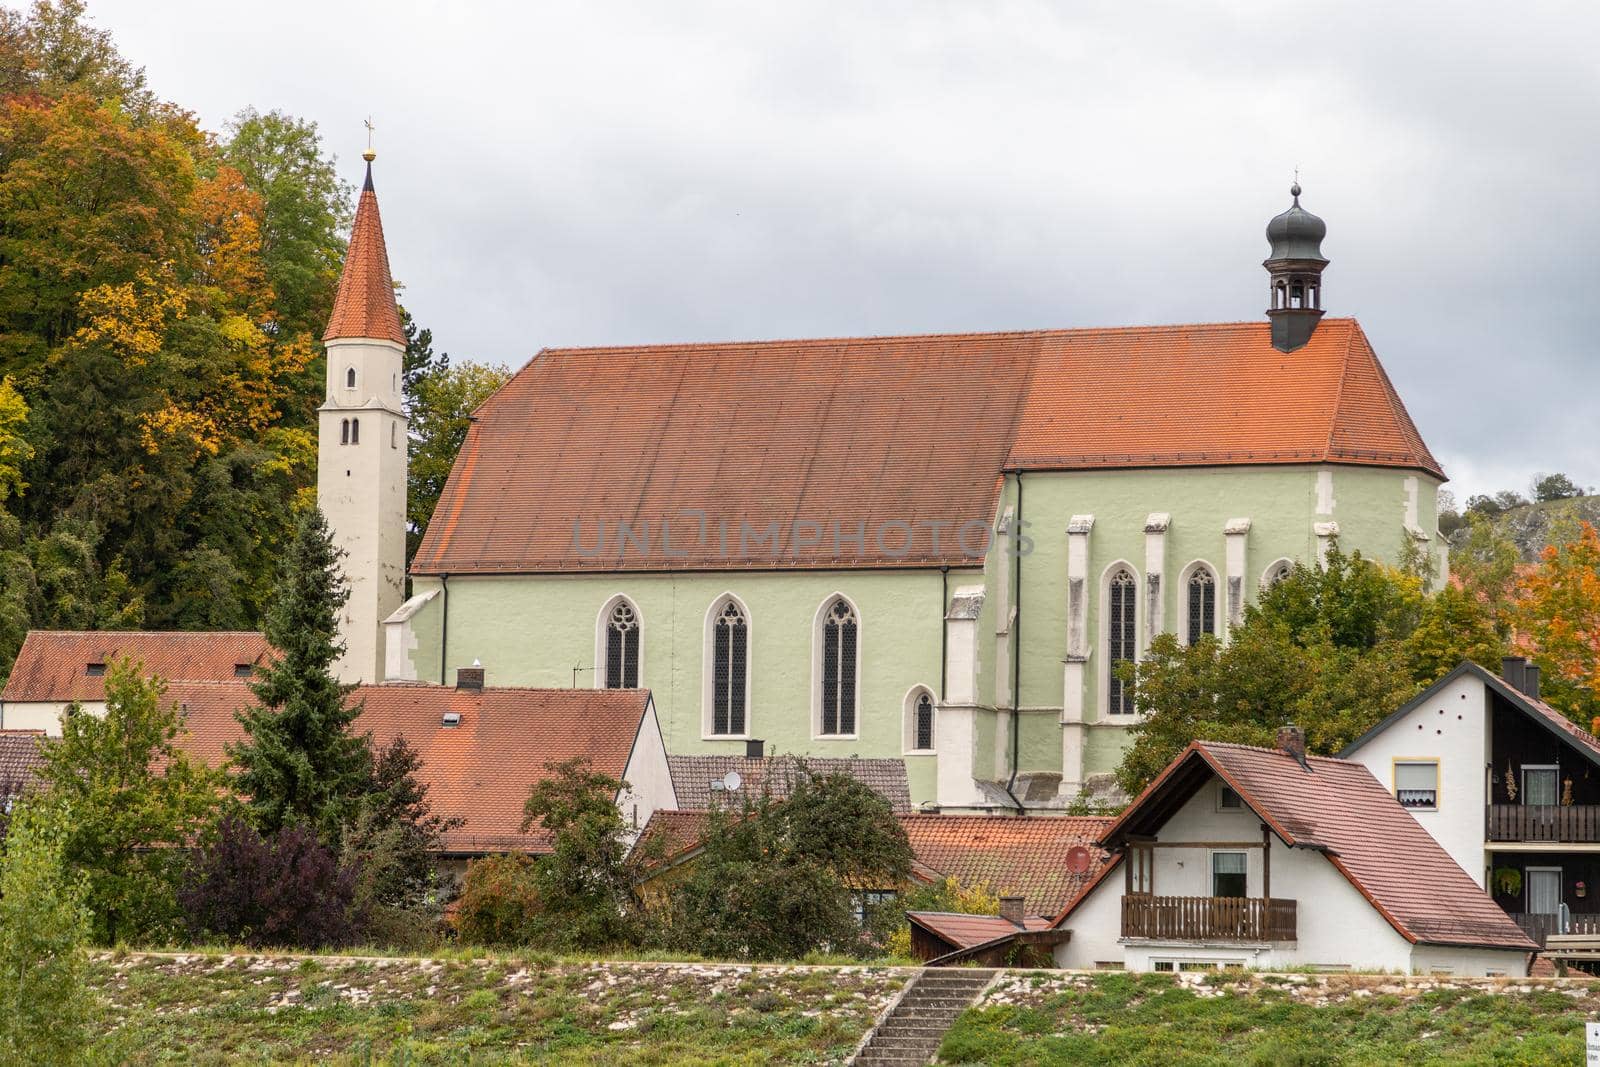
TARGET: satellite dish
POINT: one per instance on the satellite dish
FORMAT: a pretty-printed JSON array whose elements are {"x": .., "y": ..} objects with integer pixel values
[
  {"x": 1078, "y": 859},
  {"x": 731, "y": 781}
]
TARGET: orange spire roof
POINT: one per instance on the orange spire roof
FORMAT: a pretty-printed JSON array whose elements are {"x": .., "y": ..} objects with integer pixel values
[{"x": 365, "y": 305}]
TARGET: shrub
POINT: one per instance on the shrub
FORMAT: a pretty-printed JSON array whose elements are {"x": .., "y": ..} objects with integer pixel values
[
  {"x": 285, "y": 889},
  {"x": 949, "y": 895},
  {"x": 499, "y": 901},
  {"x": 45, "y": 1007}
]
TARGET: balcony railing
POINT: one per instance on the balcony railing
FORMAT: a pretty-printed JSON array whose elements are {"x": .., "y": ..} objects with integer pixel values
[
  {"x": 1558, "y": 823},
  {"x": 1540, "y": 927},
  {"x": 1207, "y": 918}
]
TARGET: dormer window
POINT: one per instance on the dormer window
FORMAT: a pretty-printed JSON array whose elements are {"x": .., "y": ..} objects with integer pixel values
[
  {"x": 95, "y": 670},
  {"x": 350, "y": 378},
  {"x": 243, "y": 670}
]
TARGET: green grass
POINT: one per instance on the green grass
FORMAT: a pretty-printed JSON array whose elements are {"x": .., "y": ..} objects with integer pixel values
[
  {"x": 225, "y": 1009},
  {"x": 1246, "y": 1021}
]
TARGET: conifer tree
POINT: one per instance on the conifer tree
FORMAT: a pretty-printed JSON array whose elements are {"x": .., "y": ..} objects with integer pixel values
[{"x": 301, "y": 763}]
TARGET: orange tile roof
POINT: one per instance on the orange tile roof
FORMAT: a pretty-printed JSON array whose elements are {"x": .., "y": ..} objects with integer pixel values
[
  {"x": 809, "y": 437},
  {"x": 481, "y": 770},
  {"x": 21, "y": 759},
  {"x": 365, "y": 306},
  {"x": 53, "y": 664},
  {"x": 1341, "y": 810},
  {"x": 1021, "y": 855}
]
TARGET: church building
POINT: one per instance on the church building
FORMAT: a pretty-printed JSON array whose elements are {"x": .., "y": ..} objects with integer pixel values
[{"x": 932, "y": 548}]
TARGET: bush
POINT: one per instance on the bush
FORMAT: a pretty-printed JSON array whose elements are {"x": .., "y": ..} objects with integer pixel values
[
  {"x": 948, "y": 895},
  {"x": 499, "y": 901},
  {"x": 286, "y": 889},
  {"x": 45, "y": 1007}
]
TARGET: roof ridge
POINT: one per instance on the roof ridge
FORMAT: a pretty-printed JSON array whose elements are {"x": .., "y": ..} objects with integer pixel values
[
  {"x": 1338, "y": 396},
  {"x": 890, "y": 338}
]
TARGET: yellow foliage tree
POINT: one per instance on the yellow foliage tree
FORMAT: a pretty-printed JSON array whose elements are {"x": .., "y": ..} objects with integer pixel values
[{"x": 1558, "y": 619}]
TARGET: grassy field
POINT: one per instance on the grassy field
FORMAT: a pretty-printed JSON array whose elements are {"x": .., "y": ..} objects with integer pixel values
[
  {"x": 225, "y": 1009},
  {"x": 1282, "y": 1021}
]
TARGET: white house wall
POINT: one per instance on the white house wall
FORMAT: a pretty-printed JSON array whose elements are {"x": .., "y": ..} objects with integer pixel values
[
  {"x": 1096, "y": 927},
  {"x": 647, "y": 774},
  {"x": 1453, "y": 728},
  {"x": 43, "y": 715},
  {"x": 1441, "y": 959}
]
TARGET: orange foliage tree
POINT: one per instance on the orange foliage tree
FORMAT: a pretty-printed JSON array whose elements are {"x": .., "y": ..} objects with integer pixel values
[{"x": 1557, "y": 611}]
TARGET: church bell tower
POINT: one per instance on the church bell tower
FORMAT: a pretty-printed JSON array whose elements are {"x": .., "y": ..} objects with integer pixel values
[
  {"x": 1296, "y": 266},
  {"x": 361, "y": 442}
]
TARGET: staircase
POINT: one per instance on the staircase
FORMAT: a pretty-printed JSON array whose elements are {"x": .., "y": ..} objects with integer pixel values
[{"x": 911, "y": 1032}]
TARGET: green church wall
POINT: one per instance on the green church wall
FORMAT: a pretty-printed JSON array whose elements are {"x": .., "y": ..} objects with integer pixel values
[{"x": 533, "y": 630}]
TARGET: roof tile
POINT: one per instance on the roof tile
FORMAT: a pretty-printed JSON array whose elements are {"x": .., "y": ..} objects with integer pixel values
[
  {"x": 692, "y": 776},
  {"x": 54, "y": 664},
  {"x": 365, "y": 305}
]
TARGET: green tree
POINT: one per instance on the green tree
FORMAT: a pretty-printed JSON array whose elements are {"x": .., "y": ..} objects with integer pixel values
[
  {"x": 300, "y": 762},
  {"x": 585, "y": 884},
  {"x": 136, "y": 800},
  {"x": 46, "y": 1006},
  {"x": 441, "y": 407},
  {"x": 1547, "y": 487},
  {"x": 780, "y": 879},
  {"x": 306, "y": 210},
  {"x": 1331, "y": 649}
]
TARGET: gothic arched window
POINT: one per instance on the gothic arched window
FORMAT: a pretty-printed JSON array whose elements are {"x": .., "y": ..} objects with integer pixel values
[
  {"x": 355, "y": 431},
  {"x": 1121, "y": 609},
  {"x": 838, "y": 668},
  {"x": 1276, "y": 573},
  {"x": 1202, "y": 615},
  {"x": 350, "y": 378},
  {"x": 622, "y": 647},
  {"x": 919, "y": 720},
  {"x": 344, "y": 431},
  {"x": 730, "y": 664}
]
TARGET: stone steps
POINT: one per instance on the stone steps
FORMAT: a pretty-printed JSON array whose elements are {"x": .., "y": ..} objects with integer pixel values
[{"x": 911, "y": 1033}]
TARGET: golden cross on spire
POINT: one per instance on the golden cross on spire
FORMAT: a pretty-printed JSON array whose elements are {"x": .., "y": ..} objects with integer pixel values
[{"x": 369, "y": 155}]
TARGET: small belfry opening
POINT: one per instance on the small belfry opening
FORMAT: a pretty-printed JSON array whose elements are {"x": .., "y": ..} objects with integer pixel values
[{"x": 1295, "y": 267}]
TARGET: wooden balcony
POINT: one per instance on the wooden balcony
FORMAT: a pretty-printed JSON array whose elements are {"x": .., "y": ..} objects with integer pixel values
[
  {"x": 1207, "y": 918},
  {"x": 1540, "y": 927},
  {"x": 1551, "y": 823}
]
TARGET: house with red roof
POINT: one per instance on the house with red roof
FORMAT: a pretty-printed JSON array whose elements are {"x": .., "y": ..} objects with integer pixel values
[
  {"x": 1248, "y": 857},
  {"x": 55, "y": 669},
  {"x": 936, "y": 548},
  {"x": 1507, "y": 784}
]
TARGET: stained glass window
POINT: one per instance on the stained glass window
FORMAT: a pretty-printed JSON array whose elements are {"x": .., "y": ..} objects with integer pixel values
[
  {"x": 1120, "y": 647},
  {"x": 839, "y": 669},
  {"x": 729, "y": 663},
  {"x": 622, "y": 647},
  {"x": 1202, "y": 604},
  {"x": 923, "y": 726}
]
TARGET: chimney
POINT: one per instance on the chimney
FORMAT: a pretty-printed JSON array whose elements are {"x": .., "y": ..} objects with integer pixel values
[
  {"x": 470, "y": 678},
  {"x": 1011, "y": 910},
  {"x": 1530, "y": 680},
  {"x": 1511, "y": 669},
  {"x": 755, "y": 748},
  {"x": 1292, "y": 740}
]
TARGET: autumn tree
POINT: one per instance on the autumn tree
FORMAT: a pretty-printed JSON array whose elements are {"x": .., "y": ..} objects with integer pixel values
[{"x": 1557, "y": 611}]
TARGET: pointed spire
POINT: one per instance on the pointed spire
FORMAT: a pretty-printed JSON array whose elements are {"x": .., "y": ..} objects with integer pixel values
[{"x": 365, "y": 306}]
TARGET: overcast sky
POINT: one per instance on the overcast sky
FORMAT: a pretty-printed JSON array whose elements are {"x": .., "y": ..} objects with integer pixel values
[{"x": 593, "y": 173}]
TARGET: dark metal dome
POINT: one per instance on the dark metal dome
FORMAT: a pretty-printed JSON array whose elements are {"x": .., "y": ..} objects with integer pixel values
[{"x": 1297, "y": 233}]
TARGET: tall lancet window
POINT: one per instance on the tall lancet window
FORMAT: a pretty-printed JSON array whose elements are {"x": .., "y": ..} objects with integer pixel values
[
  {"x": 1121, "y": 604},
  {"x": 350, "y": 378},
  {"x": 1202, "y": 604},
  {"x": 622, "y": 647},
  {"x": 344, "y": 431},
  {"x": 838, "y": 668},
  {"x": 730, "y": 637},
  {"x": 355, "y": 431}
]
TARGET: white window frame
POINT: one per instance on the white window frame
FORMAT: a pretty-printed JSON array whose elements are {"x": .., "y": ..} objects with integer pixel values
[
  {"x": 1415, "y": 761},
  {"x": 1183, "y": 598},
  {"x": 1267, "y": 581},
  {"x": 602, "y": 626},
  {"x": 708, "y": 668},
  {"x": 908, "y": 739},
  {"x": 1527, "y": 887},
  {"x": 1554, "y": 768},
  {"x": 1103, "y": 644},
  {"x": 818, "y": 620}
]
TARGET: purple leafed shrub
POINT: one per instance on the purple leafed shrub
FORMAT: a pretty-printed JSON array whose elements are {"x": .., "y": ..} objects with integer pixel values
[{"x": 284, "y": 889}]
